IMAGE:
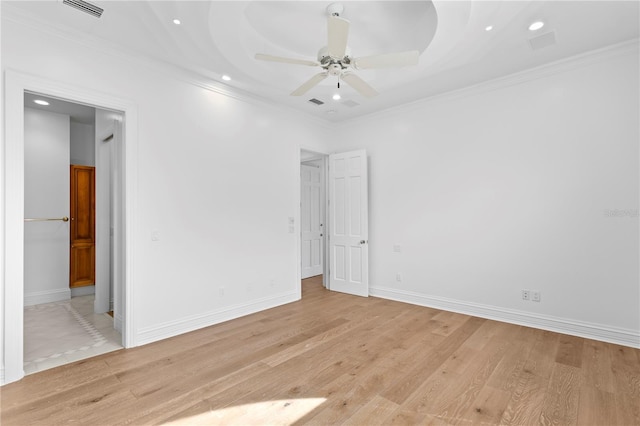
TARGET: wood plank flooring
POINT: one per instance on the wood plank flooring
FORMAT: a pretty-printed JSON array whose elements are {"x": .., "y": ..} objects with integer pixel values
[{"x": 338, "y": 359}]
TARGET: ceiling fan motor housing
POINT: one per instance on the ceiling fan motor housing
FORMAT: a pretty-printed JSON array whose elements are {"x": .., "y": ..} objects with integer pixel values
[
  {"x": 324, "y": 58},
  {"x": 335, "y": 69},
  {"x": 335, "y": 9}
]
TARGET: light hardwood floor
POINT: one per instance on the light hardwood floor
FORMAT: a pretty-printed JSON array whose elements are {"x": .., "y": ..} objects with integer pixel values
[{"x": 338, "y": 359}]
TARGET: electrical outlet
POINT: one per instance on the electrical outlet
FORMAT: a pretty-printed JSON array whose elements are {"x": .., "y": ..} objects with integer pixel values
[
  {"x": 397, "y": 248},
  {"x": 526, "y": 295},
  {"x": 221, "y": 290},
  {"x": 398, "y": 277},
  {"x": 535, "y": 296}
]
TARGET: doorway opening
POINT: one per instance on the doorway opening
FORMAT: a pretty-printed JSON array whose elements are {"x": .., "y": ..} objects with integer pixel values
[
  {"x": 313, "y": 219},
  {"x": 72, "y": 196},
  {"x": 16, "y": 85},
  {"x": 345, "y": 230}
]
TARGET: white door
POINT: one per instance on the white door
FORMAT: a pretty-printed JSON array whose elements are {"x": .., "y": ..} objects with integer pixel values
[
  {"x": 349, "y": 234},
  {"x": 311, "y": 220}
]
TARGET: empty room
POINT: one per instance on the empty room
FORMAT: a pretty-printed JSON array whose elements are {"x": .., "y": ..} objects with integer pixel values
[{"x": 305, "y": 212}]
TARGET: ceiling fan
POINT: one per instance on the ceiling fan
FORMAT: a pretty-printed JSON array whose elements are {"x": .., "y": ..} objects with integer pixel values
[{"x": 335, "y": 58}]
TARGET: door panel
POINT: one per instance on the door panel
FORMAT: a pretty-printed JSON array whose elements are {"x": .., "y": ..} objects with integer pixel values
[
  {"x": 348, "y": 238},
  {"x": 82, "y": 264},
  {"x": 82, "y": 253},
  {"x": 310, "y": 220}
]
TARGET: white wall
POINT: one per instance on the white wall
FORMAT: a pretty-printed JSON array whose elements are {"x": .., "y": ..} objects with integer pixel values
[
  {"x": 46, "y": 182},
  {"x": 506, "y": 187},
  {"x": 2, "y": 236},
  {"x": 82, "y": 144},
  {"x": 216, "y": 182}
]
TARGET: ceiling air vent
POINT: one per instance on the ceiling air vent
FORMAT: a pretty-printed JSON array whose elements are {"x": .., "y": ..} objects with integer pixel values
[
  {"x": 89, "y": 8},
  {"x": 542, "y": 41},
  {"x": 316, "y": 101}
]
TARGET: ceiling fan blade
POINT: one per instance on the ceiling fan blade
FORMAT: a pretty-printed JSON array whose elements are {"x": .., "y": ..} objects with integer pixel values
[
  {"x": 338, "y": 33},
  {"x": 270, "y": 58},
  {"x": 359, "y": 85},
  {"x": 400, "y": 59},
  {"x": 313, "y": 81}
]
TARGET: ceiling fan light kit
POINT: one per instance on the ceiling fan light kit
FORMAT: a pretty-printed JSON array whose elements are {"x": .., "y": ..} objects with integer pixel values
[{"x": 336, "y": 61}]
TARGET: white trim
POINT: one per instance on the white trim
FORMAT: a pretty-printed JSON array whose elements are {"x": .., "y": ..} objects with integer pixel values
[
  {"x": 15, "y": 84},
  {"x": 297, "y": 209},
  {"x": 2, "y": 220},
  {"x": 198, "y": 78},
  {"x": 195, "y": 322},
  {"x": 201, "y": 78},
  {"x": 531, "y": 74},
  {"x": 587, "y": 330},
  {"x": 83, "y": 291},
  {"x": 47, "y": 296}
]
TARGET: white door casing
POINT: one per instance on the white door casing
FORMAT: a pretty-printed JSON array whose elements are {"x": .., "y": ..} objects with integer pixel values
[
  {"x": 349, "y": 234},
  {"x": 311, "y": 226},
  {"x": 12, "y": 212}
]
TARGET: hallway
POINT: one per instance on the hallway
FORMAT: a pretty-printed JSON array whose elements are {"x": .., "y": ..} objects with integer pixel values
[{"x": 63, "y": 332}]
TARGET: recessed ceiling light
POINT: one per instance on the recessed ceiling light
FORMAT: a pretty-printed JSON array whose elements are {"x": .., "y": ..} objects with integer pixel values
[
  {"x": 536, "y": 26},
  {"x": 336, "y": 97},
  {"x": 488, "y": 28},
  {"x": 41, "y": 102},
  {"x": 226, "y": 78},
  {"x": 177, "y": 21}
]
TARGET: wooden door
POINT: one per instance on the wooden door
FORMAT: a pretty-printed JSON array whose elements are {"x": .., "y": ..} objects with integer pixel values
[
  {"x": 349, "y": 236},
  {"x": 83, "y": 228},
  {"x": 311, "y": 220}
]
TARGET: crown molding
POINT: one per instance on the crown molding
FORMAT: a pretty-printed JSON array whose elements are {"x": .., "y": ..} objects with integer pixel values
[
  {"x": 549, "y": 69},
  {"x": 17, "y": 16},
  {"x": 14, "y": 14}
]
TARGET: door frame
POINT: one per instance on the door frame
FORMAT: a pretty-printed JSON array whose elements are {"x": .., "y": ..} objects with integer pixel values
[
  {"x": 321, "y": 206},
  {"x": 12, "y": 207},
  {"x": 298, "y": 208}
]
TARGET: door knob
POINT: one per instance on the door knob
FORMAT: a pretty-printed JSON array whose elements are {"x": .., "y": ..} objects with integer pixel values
[{"x": 363, "y": 242}]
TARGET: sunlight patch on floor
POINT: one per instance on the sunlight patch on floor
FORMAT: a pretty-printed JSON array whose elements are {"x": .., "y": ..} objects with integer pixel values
[{"x": 280, "y": 412}]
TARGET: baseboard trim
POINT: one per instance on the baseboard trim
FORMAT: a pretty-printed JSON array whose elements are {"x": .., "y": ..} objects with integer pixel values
[
  {"x": 195, "y": 322},
  {"x": 83, "y": 291},
  {"x": 625, "y": 337},
  {"x": 2, "y": 382},
  {"x": 48, "y": 296}
]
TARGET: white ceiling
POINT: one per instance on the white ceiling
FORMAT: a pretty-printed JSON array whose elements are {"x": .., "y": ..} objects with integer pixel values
[
  {"x": 222, "y": 37},
  {"x": 78, "y": 113}
]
